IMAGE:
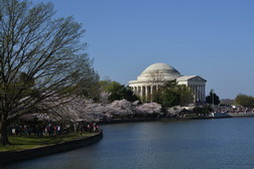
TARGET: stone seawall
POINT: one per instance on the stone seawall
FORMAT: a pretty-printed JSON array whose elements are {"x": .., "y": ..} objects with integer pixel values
[{"x": 13, "y": 156}]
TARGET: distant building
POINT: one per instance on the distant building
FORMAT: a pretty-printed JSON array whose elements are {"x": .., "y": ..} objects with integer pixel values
[{"x": 157, "y": 74}]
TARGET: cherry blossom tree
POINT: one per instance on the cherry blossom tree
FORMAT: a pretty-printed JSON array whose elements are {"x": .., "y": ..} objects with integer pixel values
[
  {"x": 121, "y": 108},
  {"x": 149, "y": 108},
  {"x": 104, "y": 97}
]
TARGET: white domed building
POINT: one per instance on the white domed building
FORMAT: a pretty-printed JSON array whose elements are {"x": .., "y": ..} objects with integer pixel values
[{"x": 157, "y": 74}]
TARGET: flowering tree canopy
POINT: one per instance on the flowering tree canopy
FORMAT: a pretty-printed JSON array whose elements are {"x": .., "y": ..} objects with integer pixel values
[
  {"x": 121, "y": 107},
  {"x": 149, "y": 108}
]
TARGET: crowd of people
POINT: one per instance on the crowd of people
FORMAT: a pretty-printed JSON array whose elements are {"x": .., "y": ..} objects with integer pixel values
[
  {"x": 233, "y": 109},
  {"x": 51, "y": 129},
  {"x": 38, "y": 130},
  {"x": 87, "y": 127}
]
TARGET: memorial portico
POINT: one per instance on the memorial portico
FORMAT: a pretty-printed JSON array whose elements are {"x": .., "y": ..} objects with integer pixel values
[
  {"x": 145, "y": 90},
  {"x": 196, "y": 84},
  {"x": 147, "y": 84}
]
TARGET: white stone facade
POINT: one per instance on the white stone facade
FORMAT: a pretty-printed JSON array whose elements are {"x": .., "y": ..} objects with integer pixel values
[{"x": 157, "y": 74}]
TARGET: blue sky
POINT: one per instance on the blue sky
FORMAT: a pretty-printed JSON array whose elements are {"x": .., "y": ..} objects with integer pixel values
[{"x": 210, "y": 38}]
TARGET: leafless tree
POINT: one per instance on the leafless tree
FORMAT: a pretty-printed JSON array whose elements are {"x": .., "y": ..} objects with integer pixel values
[
  {"x": 156, "y": 77},
  {"x": 157, "y": 80},
  {"x": 41, "y": 56}
]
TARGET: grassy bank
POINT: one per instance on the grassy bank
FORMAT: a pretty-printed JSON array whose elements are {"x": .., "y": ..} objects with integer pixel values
[{"x": 29, "y": 142}]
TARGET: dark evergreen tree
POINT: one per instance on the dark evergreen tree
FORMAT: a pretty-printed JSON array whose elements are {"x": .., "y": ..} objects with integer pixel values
[
  {"x": 173, "y": 94},
  {"x": 212, "y": 98},
  {"x": 170, "y": 98}
]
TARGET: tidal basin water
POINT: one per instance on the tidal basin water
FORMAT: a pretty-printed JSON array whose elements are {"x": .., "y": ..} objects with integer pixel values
[{"x": 192, "y": 144}]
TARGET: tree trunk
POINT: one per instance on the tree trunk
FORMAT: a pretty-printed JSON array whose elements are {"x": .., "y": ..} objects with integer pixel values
[{"x": 4, "y": 132}]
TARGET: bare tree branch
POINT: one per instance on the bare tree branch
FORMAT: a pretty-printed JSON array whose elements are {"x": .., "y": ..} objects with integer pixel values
[{"x": 41, "y": 57}]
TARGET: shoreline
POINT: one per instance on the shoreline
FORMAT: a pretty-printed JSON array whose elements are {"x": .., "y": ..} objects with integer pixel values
[
  {"x": 229, "y": 115},
  {"x": 15, "y": 156}
]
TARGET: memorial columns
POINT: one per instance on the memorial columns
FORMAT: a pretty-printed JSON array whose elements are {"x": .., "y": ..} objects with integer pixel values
[
  {"x": 146, "y": 93},
  {"x": 141, "y": 91},
  {"x": 203, "y": 89},
  {"x": 151, "y": 93}
]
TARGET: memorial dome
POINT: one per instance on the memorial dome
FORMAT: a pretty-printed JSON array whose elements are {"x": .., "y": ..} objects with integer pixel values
[{"x": 159, "y": 72}]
